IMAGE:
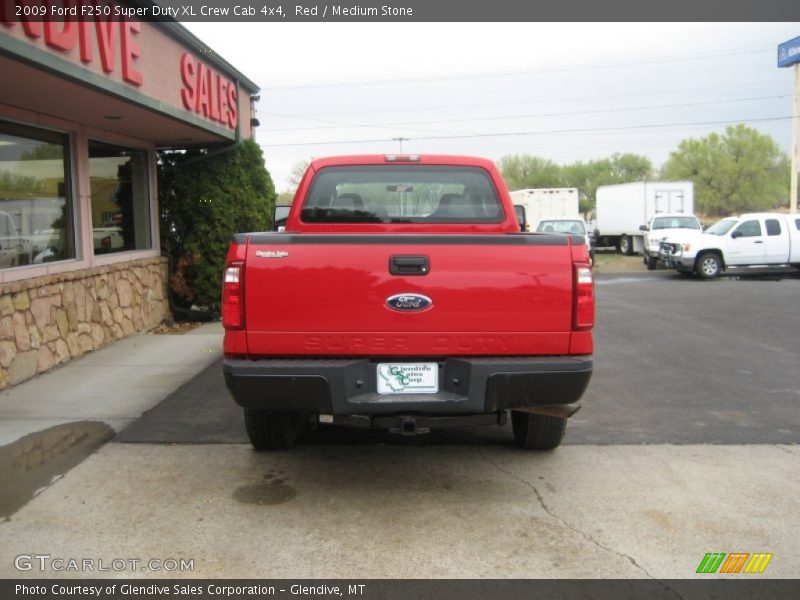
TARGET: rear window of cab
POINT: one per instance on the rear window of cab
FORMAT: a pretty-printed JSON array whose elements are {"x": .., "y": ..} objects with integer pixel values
[{"x": 402, "y": 194}]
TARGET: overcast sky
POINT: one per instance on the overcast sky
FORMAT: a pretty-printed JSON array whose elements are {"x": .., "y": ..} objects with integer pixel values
[{"x": 573, "y": 91}]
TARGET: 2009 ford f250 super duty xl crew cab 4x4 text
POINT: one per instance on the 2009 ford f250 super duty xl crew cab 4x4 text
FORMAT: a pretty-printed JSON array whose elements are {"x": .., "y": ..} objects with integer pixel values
[{"x": 403, "y": 296}]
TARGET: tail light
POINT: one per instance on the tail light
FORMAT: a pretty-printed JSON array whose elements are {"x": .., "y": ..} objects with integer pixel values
[
  {"x": 583, "y": 312},
  {"x": 233, "y": 296}
]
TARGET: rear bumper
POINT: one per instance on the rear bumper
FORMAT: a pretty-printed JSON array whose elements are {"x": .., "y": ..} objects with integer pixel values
[{"x": 467, "y": 386}]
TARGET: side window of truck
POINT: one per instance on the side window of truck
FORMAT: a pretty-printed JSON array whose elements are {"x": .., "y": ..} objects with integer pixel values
[
  {"x": 749, "y": 229},
  {"x": 773, "y": 227}
]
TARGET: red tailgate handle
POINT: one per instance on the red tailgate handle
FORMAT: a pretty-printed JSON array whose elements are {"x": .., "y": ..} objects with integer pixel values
[{"x": 409, "y": 265}]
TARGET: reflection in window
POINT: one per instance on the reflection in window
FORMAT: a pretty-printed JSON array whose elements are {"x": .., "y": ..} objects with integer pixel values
[
  {"x": 120, "y": 198},
  {"x": 35, "y": 204}
]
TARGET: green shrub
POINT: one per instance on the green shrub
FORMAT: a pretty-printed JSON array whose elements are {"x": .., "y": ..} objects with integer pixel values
[{"x": 204, "y": 198}]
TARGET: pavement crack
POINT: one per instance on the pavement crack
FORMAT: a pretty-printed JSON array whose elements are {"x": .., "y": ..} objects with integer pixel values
[{"x": 587, "y": 536}]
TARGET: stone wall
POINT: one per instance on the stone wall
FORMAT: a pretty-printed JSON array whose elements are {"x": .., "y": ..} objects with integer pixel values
[{"x": 45, "y": 321}]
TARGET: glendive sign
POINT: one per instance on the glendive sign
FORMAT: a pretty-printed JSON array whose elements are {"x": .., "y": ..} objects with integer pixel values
[
  {"x": 789, "y": 53},
  {"x": 102, "y": 34},
  {"x": 208, "y": 93},
  {"x": 63, "y": 35}
]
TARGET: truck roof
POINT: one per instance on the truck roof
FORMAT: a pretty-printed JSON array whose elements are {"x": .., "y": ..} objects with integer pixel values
[
  {"x": 403, "y": 159},
  {"x": 547, "y": 190},
  {"x": 761, "y": 215},
  {"x": 643, "y": 183},
  {"x": 673, "y": 214}
]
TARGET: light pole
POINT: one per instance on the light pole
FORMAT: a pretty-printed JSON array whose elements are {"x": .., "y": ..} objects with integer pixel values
[
  {"x": 795, "y": 126},
  {"x": 401, "y": 140},
  {"x": 789, "y": 56}
]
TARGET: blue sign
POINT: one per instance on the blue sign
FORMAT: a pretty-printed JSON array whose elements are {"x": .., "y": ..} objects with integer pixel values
[{"x": 789, "y": 53}]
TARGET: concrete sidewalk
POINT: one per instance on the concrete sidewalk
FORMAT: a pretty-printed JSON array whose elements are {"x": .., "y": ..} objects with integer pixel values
[{"x": 113, "y": 385}]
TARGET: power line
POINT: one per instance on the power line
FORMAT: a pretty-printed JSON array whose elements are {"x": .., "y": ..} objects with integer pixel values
[
  {"x": 529, "y": 133},
  {"x": 342, "y": 124},
  {"x": 515, "y": 73},
  {"x": 539, "y": 100}
]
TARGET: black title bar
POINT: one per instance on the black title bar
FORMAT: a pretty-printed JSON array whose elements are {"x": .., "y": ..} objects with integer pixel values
[
  {"x": 280, "y": 11},
  {"x": 388, "y": 589}
]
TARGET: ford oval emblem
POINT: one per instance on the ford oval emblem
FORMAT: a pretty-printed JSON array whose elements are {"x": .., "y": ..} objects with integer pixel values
[{"x": 409, "y": 302}]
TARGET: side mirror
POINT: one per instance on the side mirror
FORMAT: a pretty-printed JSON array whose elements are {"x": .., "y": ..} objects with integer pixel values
[
  {"x": 279, "y": 216},
  {"x": 644, "y": 228},
  {"x": 736, "y": 234},
  {"x": 519, "y": 209}
]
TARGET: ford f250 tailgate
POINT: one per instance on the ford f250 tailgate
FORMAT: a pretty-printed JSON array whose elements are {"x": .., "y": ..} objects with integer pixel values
[{"x": 407, "y": 294}]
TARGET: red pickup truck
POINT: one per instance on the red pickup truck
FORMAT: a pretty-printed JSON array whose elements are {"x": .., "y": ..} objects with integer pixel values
[{"x": 402, "y": 295}]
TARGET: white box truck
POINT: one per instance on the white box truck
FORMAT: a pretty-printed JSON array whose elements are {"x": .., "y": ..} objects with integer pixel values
[
  {"x": 622, "y": 209},
  {"x": 547, "y": 203}
]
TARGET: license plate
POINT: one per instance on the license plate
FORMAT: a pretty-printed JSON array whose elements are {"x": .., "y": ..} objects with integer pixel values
[{"x": 408, "y": 378}]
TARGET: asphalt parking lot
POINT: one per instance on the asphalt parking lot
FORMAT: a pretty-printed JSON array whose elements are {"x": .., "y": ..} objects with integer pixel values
[
  {"x": 687, "y": 444},
  {"x": 677, "y": 361}
]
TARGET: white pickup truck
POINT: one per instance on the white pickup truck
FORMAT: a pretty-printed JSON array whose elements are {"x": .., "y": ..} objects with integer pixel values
[
  {"x": 576, "y": 226},
  {"x": 752, "y": 240},
  {"x": 662, "y": 226}
]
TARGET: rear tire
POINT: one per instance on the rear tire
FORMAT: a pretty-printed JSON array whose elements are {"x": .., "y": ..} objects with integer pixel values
[
  {"x": 709, "y": 265},
  {"x": 271, "y": 430},
  {"x": 537, "y": 432},
  {"x": 626, "y": 245}
]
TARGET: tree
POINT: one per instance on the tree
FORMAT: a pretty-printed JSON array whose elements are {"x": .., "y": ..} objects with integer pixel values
[
  {"x": 298, "y": 170},
  {"x": 741, "y": 170},
  {"x": 618, "y": 168},
  {"x": 522, "y": 171},
  {"x": 285, "y": 198},
  {"x": 625, "y": 168},
  {"x": 587, "y": 176},
  {"x": 204, "y": 199}
]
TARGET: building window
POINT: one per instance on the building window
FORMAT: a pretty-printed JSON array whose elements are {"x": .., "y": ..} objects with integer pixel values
[
  {"x": 35, "y": 199},
  {"x": 120, "y": 188}
]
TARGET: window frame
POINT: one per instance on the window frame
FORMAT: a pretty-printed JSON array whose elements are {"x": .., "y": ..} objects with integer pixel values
[
  {"x": 71, "y": 198},
  {"x": 152, "y": 210}
]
